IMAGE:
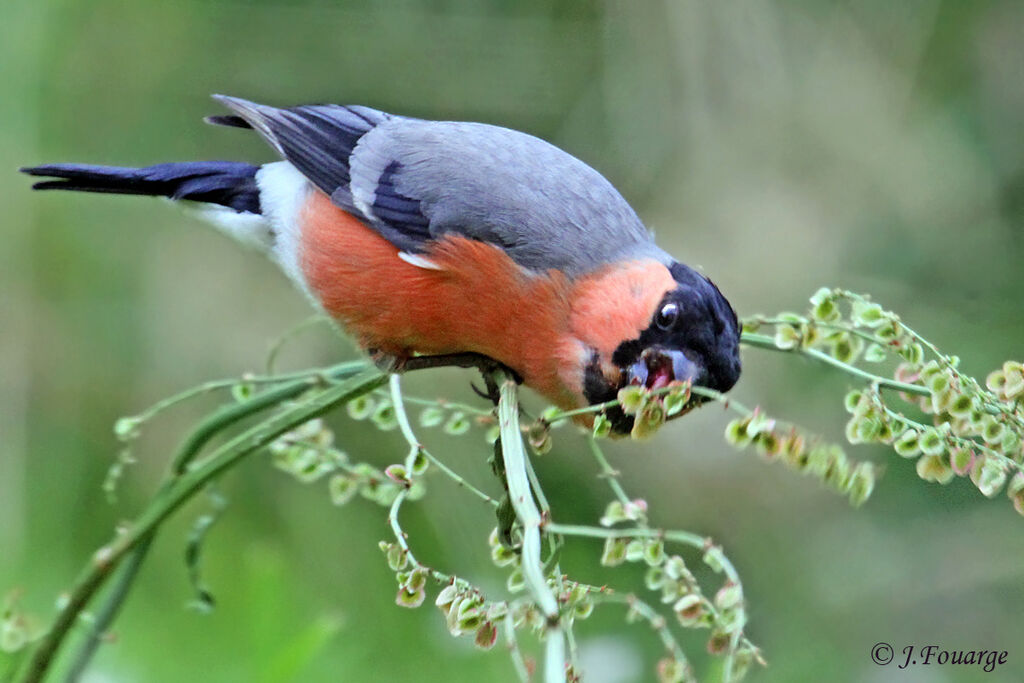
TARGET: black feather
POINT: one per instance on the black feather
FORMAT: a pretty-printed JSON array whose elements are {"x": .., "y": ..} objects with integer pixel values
[
  {"x": 227, "y": 183},
  {"x": 401, "y": 213},
  {"x": 317, "y": 139},
  {"x": 227, "y": 120}
]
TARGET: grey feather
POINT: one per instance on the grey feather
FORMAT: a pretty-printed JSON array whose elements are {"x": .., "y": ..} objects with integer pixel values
[{"x": 414, "y": 181}]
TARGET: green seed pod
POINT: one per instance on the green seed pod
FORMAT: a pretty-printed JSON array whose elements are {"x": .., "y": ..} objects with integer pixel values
[
  {"x": 1016, "y": 485},
  {"x": 960, "y": 406},
  {"x": 861, "y": 483},
  {"x": 654, "y": 552},
  {"x": 583, "y": 608},
  {"x": 1013, "y": 388},
  {"x": 996, "y": 382},
  {"x": 825, "y": 311},
  {"x": 654, "y": 578},
  {"x": 867, "y": 314},
  {"x": 431, "y": 416},
  {"x": 613, "y": 514},
  {"x": 934, "y": 468},
  {"x": 736, "y": 432},
  {"x": 341, "y": 489},
  {"x": 361, "y": 407},
  {"x": 671, "y": 671},
  {"x": 868, "y": 429},
  {"x": 989, "y": 475},
  {"x": 932, "y": 443},
  {"x": 912, "y": 352},
  {"x": 961, "y": 460},
  {"x": 457, "y": 424},
  {"x": 908, "y": 444},
  {"x": 675, "y": 568},
  {"x": 648, "y": 421},
  {"x": 632, "y": 399},
  {"x": 786, "y": 337},
  {"x": 515, "y": 582},
  {"x": 486, "y": 636},
  {"x": 614, "y": 552},
  {"x": 992, "y": 431},
  {"x": 846, "y": 348},
  {"x": 447, "y": 596},
  {"x": 127, "y": 428},
  {"x": 635, "y": 550},
  {"x": 242, "y": 391},
  {"x": 730, "y": 595},
  {"x": 410, "y": 599},
  {"x": 397, "y": 473},
  {"x": 719, "y": 642},
  {"x": 689, "y": 609},
  {"x": 822, "y": 294},
  {"x": 384, "y": 417},
  {"x": 875, "y": 354},
  {"x": 768, "y": 445}
]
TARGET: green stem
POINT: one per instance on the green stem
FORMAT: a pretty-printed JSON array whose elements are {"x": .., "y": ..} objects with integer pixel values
[
  {"x": 870, "y": 338},
  {"x": 288, "y": 335},
  {"x": 231, "y": 414},
  {"x": 220, "y": 420},
  {"x": 518, "y": 661},
  {"x": 765, "y": 342},
  {"x": 684, "y": 537},
  {"x": 105, "y": 616},
  {"x": 398, "y": 399},
  {"x": 443, "y": 403},
  {"x": 610, "y": 474},
  {"x": 516, "y": 473},
  {"x": 395, "y": 389},
  {"x": 166, "y": 502},
  {"x": 657, "y": 622}
]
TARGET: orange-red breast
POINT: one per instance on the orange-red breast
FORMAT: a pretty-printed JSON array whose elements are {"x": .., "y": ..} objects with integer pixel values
[{"x": 436, "y": 237}]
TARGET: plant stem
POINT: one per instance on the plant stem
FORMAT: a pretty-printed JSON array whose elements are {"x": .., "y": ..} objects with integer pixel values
[
  {"x": 762, "y": 341},
  {"x": 513, "y": 647},
  {"x": 105, "y": 616},
  {"x": 193, "y": 444},
  {"x": 96, "y": 572},
  {"x": 685, "y": 537},
  {"x": 514, "y": 457},
  {"x": 654, "y": 618},
  {"x": 398, "y": 399}
]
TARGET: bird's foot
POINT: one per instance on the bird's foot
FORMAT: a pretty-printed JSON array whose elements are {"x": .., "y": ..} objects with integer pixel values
[{"x": 485, "y": 364}]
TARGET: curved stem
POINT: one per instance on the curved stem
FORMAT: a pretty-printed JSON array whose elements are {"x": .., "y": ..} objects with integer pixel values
[
  {"x": 521, "y": 497},
  {"x": 96, "y": 572},
  {"x": 112, "y": 605}
]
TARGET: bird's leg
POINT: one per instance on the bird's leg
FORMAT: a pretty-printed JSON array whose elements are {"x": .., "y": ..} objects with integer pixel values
[{"x": 485, "y": 364}]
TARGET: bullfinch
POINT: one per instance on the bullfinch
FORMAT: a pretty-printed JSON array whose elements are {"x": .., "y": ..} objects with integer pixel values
[{"x": 429, "y": 238}]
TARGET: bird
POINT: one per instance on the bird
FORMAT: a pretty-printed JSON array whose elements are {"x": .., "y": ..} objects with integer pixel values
[{"x": 452, "y": 240}]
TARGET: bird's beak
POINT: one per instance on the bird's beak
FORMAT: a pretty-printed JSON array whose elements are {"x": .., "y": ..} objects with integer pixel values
[{"x": 657, "y": 367}]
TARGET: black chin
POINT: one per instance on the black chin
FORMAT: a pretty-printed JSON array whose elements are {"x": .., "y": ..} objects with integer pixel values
[{"x": 597, "y": 389}]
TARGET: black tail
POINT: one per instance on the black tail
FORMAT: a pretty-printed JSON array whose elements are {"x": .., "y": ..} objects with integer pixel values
[{"x": 227, "y": 183}]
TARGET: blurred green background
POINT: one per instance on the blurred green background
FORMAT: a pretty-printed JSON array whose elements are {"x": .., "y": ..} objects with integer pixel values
[{"x": 781, "y": 146}]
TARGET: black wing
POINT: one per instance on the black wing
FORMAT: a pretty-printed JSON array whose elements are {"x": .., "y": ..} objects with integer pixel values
[{"x": 319, "y": 141}]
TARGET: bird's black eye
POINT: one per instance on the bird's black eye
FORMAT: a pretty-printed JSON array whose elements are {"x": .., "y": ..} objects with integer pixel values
[{"x": 667, "y": 316}]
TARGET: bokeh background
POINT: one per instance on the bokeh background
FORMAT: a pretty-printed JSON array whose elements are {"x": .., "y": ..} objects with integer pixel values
[{"x": 780, "y": 145}]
